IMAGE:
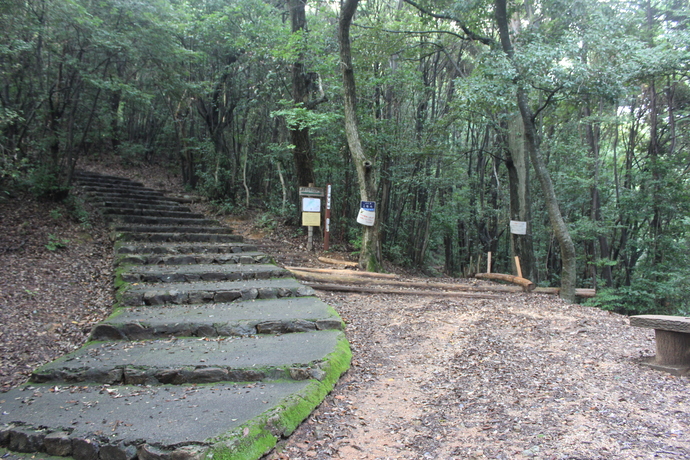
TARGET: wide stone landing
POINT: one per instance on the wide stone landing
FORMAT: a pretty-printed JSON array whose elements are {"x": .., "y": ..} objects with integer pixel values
[{"x": 212, "y": 351}]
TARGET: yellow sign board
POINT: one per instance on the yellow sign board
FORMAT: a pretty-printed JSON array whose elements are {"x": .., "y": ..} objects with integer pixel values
[{"x": 311, "y": 219}]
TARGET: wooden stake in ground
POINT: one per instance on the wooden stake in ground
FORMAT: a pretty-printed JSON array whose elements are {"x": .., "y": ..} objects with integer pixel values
[{"x": 518, "y": 267}]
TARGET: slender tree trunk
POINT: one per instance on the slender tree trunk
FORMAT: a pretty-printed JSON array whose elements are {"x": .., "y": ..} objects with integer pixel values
[
  {"x": 560, "y": 229},
  {"x": 370, "y": 255},
  {"x": 592, "y": 133}
]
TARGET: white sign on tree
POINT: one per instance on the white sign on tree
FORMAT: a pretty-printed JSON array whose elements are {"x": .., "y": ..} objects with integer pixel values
[
  {"x": 367, "y": 213},
  {"x": 518, "y": 227}
]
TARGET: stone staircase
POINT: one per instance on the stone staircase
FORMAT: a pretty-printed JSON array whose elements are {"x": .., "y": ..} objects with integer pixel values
[{"x": 211, "y": 351}]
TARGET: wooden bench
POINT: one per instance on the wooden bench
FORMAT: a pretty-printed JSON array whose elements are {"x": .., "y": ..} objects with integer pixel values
[{"x": 672, "y": 342}]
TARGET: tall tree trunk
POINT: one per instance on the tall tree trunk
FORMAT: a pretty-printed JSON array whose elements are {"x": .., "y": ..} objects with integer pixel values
[
  {"x": 520, "y": 196},
  {"x": 592, "y": 133},
  {"x": 302, "y": 154},
  {"x": 568, "y": 256},
  {"x": 370, "y": 255}
]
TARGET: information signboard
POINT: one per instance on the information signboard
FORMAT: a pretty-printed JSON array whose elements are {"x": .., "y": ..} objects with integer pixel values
[
  {"x": 311, "y": 219},
  {"x": 311, "y": 204},
  {"x": 518, "y": 227},
  {"x": 367, "y": 213}
]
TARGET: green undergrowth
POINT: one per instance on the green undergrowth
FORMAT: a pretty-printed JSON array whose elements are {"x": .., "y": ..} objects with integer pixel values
[{"x": 253, "y": 439}]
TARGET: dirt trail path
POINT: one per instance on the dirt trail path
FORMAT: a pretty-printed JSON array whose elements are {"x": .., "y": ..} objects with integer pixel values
[{"x": 524, "y": 377}]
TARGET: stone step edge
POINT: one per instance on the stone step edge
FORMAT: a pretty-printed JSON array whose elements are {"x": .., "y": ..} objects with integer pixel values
[
  {"x": 118, "y": 327},
  {"x": 155, "y": 297},
  {"x": 144, "y": 248},
  {"x": 149, "y": 228},
  {"x": 116, "y": 205},
  {"x": 250, "y": 440},
  {"x": 248, "y": 257},
  {"x": 192, "y": 273},
  {"x": 161, "y": 220},
  {"x": 180, "y": 238},
  {"x": 180, "y": 373},
  {"x": 132, "y": 211}
]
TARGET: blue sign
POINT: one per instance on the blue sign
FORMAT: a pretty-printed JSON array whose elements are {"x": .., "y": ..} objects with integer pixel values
[
  {"x": 367, "y": 213},
  {"x": 368, "y": 205}
]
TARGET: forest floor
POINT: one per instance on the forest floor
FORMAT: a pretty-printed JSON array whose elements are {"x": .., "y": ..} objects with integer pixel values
[{"x": 518, "y": 376}]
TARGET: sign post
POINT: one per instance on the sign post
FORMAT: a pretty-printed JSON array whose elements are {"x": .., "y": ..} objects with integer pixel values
[
  {"x": 518, "y": 227},
  {"x": 310, "y": 201},
  {"x": 327, "y": 233}
]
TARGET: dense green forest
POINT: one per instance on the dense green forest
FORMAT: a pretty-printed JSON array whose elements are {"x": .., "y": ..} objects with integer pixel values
[{"x": 570, "y": 115}]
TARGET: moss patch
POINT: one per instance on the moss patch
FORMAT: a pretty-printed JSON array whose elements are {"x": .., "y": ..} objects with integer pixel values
[{"x": 254, "y": 439}]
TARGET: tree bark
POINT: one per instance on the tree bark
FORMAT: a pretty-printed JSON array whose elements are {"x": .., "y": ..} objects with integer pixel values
[
  {"x": 301, "y": 152},
  {"x": 520, "y": 196},
  {"x": 592, "y": 134},
  {"x": 370, "y": 254},
  {"x": 560, "y": 229}
]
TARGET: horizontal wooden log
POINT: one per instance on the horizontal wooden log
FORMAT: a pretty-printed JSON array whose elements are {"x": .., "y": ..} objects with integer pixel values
[
  {"x": 347, "y": 263},
  {"x": 373, "y": 290},
  {"x": 581, "y": 292},
  {"x": 360, "y": 281},
  {"x": 332, "y": 271},
  {"x": 525, "y": 283},
  {"x": 357, "y": 278}
]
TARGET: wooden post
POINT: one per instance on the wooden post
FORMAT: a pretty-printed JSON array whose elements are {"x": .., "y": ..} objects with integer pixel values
[
  {"x": 519, "y": 268},
  {"x": 488, "y": 262},
  {"x": 310, "y": 233},
  {"x": 327, "y": 233}
]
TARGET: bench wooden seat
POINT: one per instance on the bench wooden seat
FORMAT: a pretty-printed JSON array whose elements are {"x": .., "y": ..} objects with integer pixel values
[{"x": 672, "y": 342}]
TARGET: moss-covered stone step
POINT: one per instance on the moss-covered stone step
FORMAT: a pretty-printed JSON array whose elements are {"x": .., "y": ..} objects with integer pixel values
[
  {"x": 178, "y": 237},
  {"x": 249, "y": 257},
  {"x": 88, "y": 422},
  {"x": 142, "y": 228},
  {"x": 296, "y": 356},
  {"x": 154, "y": 220},
  {"x": 183, "y": 248},
  {"x": 211, "y": 292},
  {"x": 275, "y": 316},
  {"x": 152, "y": 212},
  {"x": 200, "y": 272}
]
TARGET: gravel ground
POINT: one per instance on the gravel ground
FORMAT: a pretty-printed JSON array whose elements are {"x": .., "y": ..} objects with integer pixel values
[{"x": 526, "y": 376}]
